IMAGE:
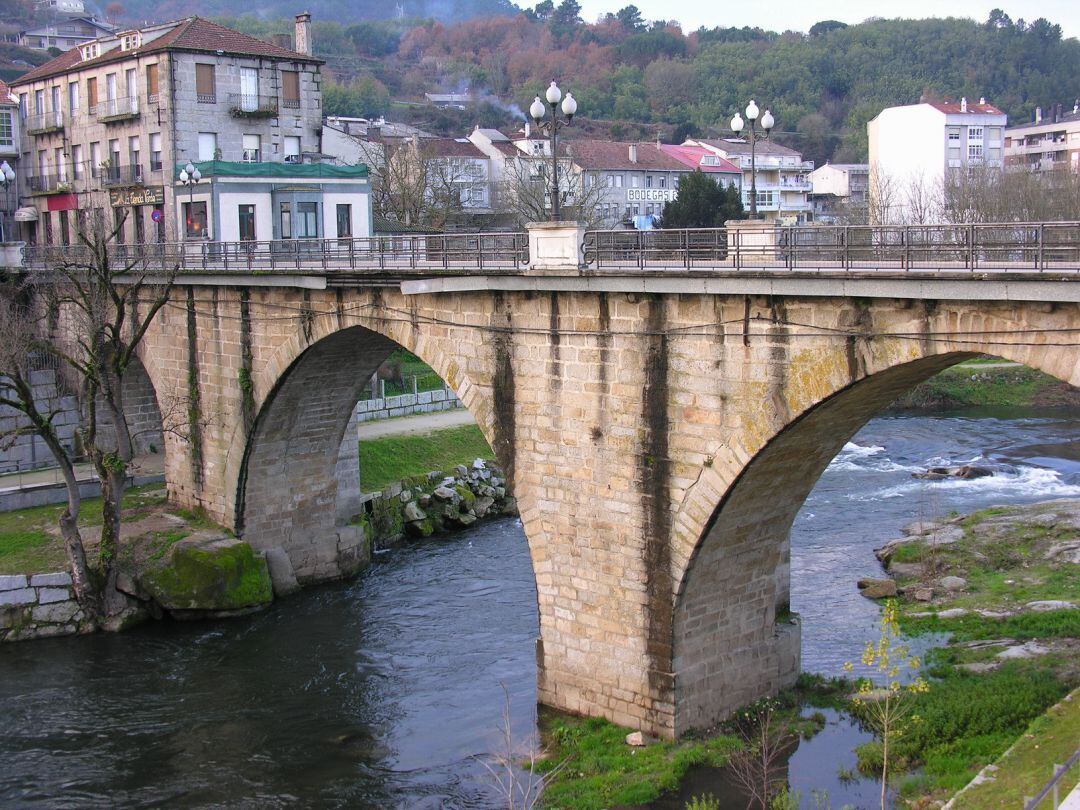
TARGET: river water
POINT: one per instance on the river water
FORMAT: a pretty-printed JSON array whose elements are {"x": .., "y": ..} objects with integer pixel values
[{"x": 385, "y": 691}]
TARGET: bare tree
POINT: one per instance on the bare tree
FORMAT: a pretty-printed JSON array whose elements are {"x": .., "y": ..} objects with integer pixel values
[
  {"x": 921, "y": 200},
  {"x": 881, "y": 197},
  {"x": 86, "y": 308},
  {"x": 413, "y": 185},
  {"x": 989, "y": 194},
  {"x": 757, "y": 767},
  {"x": 525, "y": 191}
]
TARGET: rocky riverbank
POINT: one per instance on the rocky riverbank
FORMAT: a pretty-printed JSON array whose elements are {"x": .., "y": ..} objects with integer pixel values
[
  {"x": 175, "y": 563},
  {"x": 988, "y": 385}
]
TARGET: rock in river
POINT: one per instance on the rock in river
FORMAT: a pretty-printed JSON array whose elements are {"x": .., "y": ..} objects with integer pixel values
[{"x": 877, "y": 588}]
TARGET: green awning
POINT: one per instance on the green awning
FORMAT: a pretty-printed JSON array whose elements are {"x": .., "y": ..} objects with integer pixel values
[{"x": 285, "y": 171}]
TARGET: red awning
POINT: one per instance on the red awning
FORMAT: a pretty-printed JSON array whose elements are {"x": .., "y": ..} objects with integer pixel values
[{"x": 63, "y": 202}]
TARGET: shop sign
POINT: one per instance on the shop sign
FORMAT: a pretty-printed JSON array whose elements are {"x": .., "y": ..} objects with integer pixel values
[
  {"x": 154, "y": 195},
  {"x": 639, "y": 195}
]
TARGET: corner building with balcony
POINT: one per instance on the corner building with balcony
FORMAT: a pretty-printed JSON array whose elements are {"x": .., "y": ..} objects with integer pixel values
[{"x": 110, "y": 125}]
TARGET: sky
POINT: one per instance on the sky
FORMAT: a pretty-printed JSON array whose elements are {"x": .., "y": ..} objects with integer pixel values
[{"x": 799, "y": 15}]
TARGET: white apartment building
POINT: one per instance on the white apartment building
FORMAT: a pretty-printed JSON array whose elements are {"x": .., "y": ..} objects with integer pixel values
[
  {"x": 9, "y": 158},
  {"x": 1049, "y": 143},
  {"x": 783, "y": 177},
  {"x": 111, "y": 124},
  {"x": 839, "y": 189},
  {"x": 914, "y": 146}
]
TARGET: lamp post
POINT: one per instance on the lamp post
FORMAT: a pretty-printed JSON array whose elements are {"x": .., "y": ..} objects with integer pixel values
[
  {"x": 767, "y": 122},
  {"x": 7, "y": 178},
  {"x": 537, "y": 110},
  {"x": 190, "y": 177}
]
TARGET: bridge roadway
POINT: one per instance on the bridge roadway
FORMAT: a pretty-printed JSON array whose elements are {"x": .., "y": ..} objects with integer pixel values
[{"x": 661, "y": 415}]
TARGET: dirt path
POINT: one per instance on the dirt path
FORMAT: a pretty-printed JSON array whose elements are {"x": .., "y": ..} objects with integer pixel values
[{"x": 417, "y": 423}]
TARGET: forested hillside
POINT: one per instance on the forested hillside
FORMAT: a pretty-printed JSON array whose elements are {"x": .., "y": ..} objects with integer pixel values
[{"x": 822, "y": 86}]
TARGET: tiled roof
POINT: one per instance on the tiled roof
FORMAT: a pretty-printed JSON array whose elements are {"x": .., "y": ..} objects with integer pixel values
[
  {"x": 601, "y": 155},
  {"x": 734, "y": 146},
  {"x": 6, "y": 96},
  {"x": 191, "y": 34},
  {"x": 954, "y": 108},
  {"x": 453, "y": 147},
  {"x": 692, "y": 156}
]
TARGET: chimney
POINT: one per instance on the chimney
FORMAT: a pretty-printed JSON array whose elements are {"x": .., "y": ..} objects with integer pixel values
[
  {"x": 374, "y": 133},
  {"x": 633, "y": 153},
  {"x": 528, "y": 129},
  {"x": 963, "y": 104},
  {"x": 303, "y": 33},
  {"x": 1038, "y": 115},
  {"x": 982, "y": 100}
]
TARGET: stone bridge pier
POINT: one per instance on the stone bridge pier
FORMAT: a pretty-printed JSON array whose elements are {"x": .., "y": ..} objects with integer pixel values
[{"x": 660, "y": 436}]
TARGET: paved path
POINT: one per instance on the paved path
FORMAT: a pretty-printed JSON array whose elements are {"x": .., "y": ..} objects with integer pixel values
[{"x": 417, "y": 423}]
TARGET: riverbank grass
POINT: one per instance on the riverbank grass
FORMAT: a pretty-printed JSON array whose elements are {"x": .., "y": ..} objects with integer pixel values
[
  {"x": 1027, "y": 766},
  {"x": 389, "y": 459},
  {"x": 30, "y": 538},
  {"x": 986, "y": 385}
]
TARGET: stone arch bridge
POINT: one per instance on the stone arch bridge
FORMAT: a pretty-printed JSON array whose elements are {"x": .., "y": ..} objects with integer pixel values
[{"x": 661, "y": 418}]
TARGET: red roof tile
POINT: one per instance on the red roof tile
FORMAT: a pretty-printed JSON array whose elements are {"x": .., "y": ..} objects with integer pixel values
[
  {"x": 954, "y": 108},
  {"x": 692, "y": 156},
  {"x": 452, "y": 147},
  {"x": 6, "y": 96},
  {"x": 191, "y": 34},
  {"x": 600, "y": 155}
]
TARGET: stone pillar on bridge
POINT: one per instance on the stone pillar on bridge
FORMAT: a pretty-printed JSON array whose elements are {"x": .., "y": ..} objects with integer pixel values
[
  {"x": 752, "y": 240},
  {"x": 556, "y": 248}
]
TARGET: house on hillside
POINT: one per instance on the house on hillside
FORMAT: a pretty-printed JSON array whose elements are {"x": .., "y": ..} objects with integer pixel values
[
  {"x": 1049, "y": 143},
  {"x": 839, "y": 192},
  {"x": 65, "y": 34},
  {"x": 111, "y": 125}
]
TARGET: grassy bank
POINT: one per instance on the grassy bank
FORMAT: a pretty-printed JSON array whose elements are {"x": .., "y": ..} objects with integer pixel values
[
  {"x": 388, "y": 459},
  {"x": 1002, "y": 584},
  {"x": 30, "y": 538},
  {"x": 988, "y": 385}
]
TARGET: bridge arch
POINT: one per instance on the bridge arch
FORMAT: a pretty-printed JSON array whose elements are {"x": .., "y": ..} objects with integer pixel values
[
  {"x": 730, "y": 641},
  {"x": 283, "y": 463}
]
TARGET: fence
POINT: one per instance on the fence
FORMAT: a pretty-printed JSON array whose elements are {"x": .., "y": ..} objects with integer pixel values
[{"x": 1051, "y": 788}]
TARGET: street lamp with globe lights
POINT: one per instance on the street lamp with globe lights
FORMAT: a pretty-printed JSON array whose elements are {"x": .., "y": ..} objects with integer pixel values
[
  {"x": 7, "y": 180},
  {"x": 766, "y": 124},
  {"x": 537, "y": 111},
  {"x": 190, "y": 177}
]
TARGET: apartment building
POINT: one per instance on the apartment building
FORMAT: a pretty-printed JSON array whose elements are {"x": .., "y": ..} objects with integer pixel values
[
  {"x": 839, "y": 192},
  {"x": 65, "y": 34},
  {"x": 111, "y": 124},
  {"x": 913, "y": 147},
  {"x": 9, "y": 163},
  {"x": 1049, "y": 143}
]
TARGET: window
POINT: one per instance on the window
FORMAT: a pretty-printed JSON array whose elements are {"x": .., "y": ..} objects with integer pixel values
[
  {"x": 65, "y": 233},
  {"x": 91, "y": 93},
  {"x": 975, "y": 151},
  {"x": 286, "y": 221},
  {"x": 114, "y": 160},
  {"x": 91, "y": 51},
  {"x": 22, "y": 107},
  {"x": 954, "y": 134},
  {"x": 95, "y": 159},
  {"x": 77, "y": 162},
  {"x": 61, "y": 166},
  {"x": 132, "y": 89},
  {"x": 130, "y": 41},
  {"x": 251, "y": 149},
  {"x": 133, "y": 154},
  {"x": 662, "y": 182},
  {"x": 618, "y": 181},
  {"x": 207, "y": 146},
  {"x": 155, "y": 151},
  {"x": 290, "y": 89},
  {"x": 195, "y": 220},
  {"x": 73, "y": 97},
  {"x": 140, "y": 225},
  {"x": 648, "y": 181},
  {"x": 307, "y": 225},
  {"x": 205, "y": 89},
  {"x": 975, "y": 134},
  {"x": 247, "y": 223},
  {"x": 344, "y": 221},
  {"x": 39, "y": 101},
  {"x": 152, "y": 82},
  {"x": 249, "y": 89},
  {"x": 292, "y": 148},
  {"x": 7, "y": 129}
]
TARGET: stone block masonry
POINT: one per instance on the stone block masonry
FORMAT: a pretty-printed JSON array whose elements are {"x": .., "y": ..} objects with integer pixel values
[
  {"x": 659, "y": 446},
  {"x": 38, "y": 606}
]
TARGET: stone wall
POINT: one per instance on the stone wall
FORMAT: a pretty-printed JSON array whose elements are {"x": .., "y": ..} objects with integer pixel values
[
  {"x": 441, "y": 399},
  {"x": 37, "y": 606},
  {"x": 28, "y": 451}
]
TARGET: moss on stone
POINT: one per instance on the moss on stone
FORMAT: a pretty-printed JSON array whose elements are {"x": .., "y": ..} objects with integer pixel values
[
  {"x": 468, "y": 499},
  {"x": 220, "y": 576}
]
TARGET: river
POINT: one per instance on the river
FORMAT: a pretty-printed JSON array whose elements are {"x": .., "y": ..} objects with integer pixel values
[{"x": 382, "y": 692}]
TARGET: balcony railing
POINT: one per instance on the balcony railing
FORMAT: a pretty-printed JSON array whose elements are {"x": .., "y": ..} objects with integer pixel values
[
  {"x": 116, "y": 109},
  {"x": 249, "y": 105},
  {"x": 42, "y": 123},
  {"x": 50, "y": 183},
  {"x": 122, "y": 175}
]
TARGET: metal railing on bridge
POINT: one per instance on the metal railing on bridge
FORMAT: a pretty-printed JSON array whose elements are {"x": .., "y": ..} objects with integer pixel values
[
  {"x": 378, "y": 256},
  {"x": 1049, "y": 246}
]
